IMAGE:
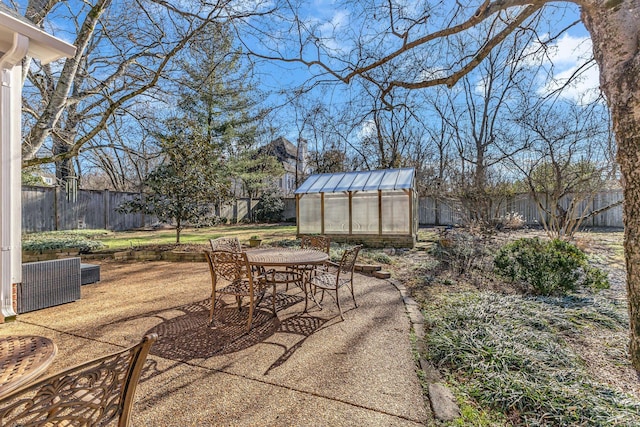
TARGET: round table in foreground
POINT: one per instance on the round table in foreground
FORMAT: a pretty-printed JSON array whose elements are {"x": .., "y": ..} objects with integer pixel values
[{"x": 23, "y": 359}]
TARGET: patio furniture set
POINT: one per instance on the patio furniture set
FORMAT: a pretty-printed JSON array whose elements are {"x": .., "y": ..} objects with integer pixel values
[
  {"x": 252, "y": 274},
  {"x": 102, "y": 390},
  {"x": 49, "y": 283}
]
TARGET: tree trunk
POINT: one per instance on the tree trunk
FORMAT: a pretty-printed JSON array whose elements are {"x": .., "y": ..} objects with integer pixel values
[{"x": 615, "y": 31}]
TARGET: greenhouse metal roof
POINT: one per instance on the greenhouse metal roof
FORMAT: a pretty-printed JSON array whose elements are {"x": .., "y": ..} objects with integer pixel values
[{"x": 385, "y": 179}]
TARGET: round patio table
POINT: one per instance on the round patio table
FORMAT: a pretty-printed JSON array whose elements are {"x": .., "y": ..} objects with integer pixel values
[
  {"x": 23, "y": 359},
  {"x": 291, "y": 258},
  {"x": 285, "y": 257}
]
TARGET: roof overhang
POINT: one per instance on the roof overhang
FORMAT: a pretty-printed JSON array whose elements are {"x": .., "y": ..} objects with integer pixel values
[{"x": 42, "y": 46}]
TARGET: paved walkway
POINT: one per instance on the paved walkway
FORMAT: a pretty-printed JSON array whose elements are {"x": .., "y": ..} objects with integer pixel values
[{"x": 295, "y": 370}]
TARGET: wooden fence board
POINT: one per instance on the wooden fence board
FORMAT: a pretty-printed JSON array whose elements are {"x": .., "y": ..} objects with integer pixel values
[{"x": 47, "y": 208}]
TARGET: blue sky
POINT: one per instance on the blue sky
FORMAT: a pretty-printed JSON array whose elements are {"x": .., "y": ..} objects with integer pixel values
[
  {"x": 565, "y": 54},
  {"x": 332, "y": 20}
]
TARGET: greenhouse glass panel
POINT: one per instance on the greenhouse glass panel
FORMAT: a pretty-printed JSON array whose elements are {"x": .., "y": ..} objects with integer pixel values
[
  {"x": 375, "y": 177},
  {"x": 347, "y": 181},
  {"x": 304, "y": 188},
  {"x": 336, "y": 213},
  {"x": 359, "y": 181},
  {"x": 309, "y": 209},
  {"x": 365, "y": 213},
  {"x": 332, "y": 182},
  {"x": 396, "y": 213},
  {"x": 405, "y": 179},
  {"x": 317, "y": 186},
  {"x": 388, "y": 181}
]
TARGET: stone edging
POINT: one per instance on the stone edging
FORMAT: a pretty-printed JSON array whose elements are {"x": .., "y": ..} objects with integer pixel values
[{"x": 443, "y": 403}]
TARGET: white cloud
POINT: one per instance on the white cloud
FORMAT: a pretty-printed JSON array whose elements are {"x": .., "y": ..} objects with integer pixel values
[
  {"x": 330, "y": 30},
  {"x": 431, "y": 73},
  {"x": 570, "y": 49},
  {"x": 367, "y": 129},
  {"x": 567, "y": 56},
  {"x": 583, "y": 90}
]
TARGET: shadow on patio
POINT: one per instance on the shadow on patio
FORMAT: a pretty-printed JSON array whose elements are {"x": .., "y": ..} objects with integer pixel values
[{"x": 293, "y": 369}]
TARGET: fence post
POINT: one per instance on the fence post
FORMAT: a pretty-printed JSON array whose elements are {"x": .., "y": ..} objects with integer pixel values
[
  {"x": 56, "y": 213},
  {"x": 234, "y": 210},
  {"x": 105, "y": 199}
]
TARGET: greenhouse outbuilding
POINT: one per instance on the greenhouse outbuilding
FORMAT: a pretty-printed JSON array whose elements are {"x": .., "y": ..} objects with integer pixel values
[{"x": 376, "y": 208}]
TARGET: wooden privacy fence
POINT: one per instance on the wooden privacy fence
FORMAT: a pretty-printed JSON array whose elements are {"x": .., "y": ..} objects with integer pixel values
[
  {"x": 47, "y": 209},
  {"x": 434, "y": 212}
]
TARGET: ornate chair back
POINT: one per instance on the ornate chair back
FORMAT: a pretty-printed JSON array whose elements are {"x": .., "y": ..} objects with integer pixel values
[
  {"x": 231, "y": 244},
  {"x": 319, "y": 243},
  {"x": 348, "y": 261},
  {"x": 93, "y": 393}
]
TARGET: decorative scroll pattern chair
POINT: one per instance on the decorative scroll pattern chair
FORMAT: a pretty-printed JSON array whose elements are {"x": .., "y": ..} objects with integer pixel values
[
  {"x": 319, "y": 243},
  {"x": 231, "y": 275},
  {"x": 94, "y": 393},
  {"x": 230, "y": 244},
  {"x": 336, "y": 276}
]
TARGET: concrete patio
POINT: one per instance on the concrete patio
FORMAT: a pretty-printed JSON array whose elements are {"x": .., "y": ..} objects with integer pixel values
[{"x": 294, "y": 370}]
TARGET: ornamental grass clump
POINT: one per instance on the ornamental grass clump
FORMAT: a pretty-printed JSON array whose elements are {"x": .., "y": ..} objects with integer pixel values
[
  {"x": 82, "y": 241},
  {"x": 548, "y": 267},
  {"x": 510, "y": 354}
]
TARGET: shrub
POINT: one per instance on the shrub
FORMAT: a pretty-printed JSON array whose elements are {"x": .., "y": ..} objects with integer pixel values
[
  {"x": 459, "y": 250},
  {"x": 270, "y": 208},
  {"x": 553, "y": 267},
  {"x": 81, "y": 241}
]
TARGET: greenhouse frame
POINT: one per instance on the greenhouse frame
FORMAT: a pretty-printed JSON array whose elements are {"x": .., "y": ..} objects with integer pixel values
[{"x": 376, "y": 208}]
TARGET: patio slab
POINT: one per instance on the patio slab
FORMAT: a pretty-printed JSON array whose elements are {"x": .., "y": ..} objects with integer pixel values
[{"x": 308, "y": 369}]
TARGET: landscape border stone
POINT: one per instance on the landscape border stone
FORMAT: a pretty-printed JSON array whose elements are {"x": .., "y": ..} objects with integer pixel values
[{"x": 442, "y": 401}]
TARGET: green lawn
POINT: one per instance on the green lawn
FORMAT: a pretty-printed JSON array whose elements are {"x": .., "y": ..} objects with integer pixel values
[
  {"x": 267, "y": 232},
  {"x": 128, "y": 239}
]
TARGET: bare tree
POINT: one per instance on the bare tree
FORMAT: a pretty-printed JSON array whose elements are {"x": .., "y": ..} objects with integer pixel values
[
  {"x": 122, "y": 55},
  {"x": 121, "y": 157},
  {"x": 569, "y": 161},
  {"x": 415, "y": 41}
]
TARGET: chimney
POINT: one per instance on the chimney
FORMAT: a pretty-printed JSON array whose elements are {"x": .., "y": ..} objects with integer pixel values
[{"x": 302, "y": 155}]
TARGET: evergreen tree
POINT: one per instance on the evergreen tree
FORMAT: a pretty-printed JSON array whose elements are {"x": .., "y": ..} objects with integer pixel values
[{"x": 215, "y": 121}]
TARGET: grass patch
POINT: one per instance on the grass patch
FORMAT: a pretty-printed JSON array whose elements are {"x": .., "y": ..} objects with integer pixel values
[
  {"x": 268, "y": 232},
  {"x": 509, "y": 354}
]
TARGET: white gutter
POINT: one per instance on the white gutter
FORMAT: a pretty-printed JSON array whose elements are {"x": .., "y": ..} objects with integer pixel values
[
  {"x": 10, "y": 176},
  {"x": 43, "y": 46}
]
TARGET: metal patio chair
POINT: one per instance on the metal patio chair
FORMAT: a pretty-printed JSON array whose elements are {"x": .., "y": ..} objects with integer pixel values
[
  {"x": 231, "y": 244},
  {"x": 231, "y": 274},
  {"x": 94, "y": 393},
  {"x": 336, "y": 276}
]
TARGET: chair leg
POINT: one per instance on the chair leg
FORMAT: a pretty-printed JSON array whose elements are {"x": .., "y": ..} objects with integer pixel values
[
  {"x": 212, "y": 309},
  {"x": 273, "y": 299},
  {"x": 338, "y": 303},
  {"x": 353, "y": 296},
  {"x": 250, "y": 319}
]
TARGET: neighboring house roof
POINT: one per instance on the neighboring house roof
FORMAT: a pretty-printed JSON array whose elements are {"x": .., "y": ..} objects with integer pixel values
[
  {"x": 385, "y": 179},
  {"x": 283, "y": 150}
]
